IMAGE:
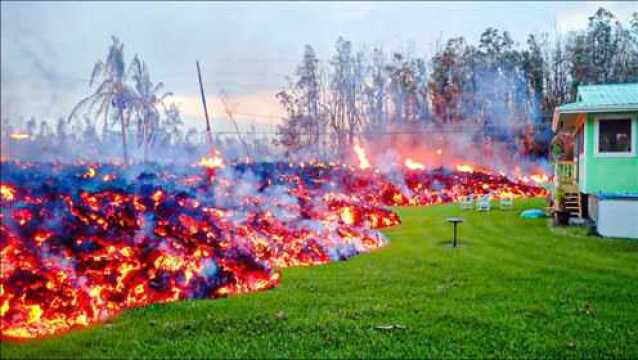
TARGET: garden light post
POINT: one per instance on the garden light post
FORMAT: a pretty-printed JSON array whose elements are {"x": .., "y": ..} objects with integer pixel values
[{"x": 454, "y": 221}]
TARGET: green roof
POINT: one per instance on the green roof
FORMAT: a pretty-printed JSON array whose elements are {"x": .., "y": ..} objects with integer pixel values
[{"x": 600, "y": 98}]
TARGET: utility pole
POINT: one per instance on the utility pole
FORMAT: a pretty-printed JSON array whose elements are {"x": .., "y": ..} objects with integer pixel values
[{"x": 201, "y": 90}]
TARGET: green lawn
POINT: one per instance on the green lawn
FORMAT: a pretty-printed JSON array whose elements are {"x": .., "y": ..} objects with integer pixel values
[{"x": 512, "y": 289}]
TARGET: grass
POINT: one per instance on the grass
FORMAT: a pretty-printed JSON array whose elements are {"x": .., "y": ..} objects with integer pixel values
[{"x": 513, "y": 289}]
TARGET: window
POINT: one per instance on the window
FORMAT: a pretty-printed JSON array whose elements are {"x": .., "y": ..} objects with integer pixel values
[{"x": 614, "y": 136}]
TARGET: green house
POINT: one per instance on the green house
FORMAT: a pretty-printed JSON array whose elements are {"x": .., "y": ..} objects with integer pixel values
[{"x": 601, "y": 181}]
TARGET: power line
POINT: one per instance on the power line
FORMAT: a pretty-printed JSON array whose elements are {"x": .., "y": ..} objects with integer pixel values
[
  {"x": 395, "y": 132},
  {"x": 186, "y": 76},
  {"x": 260, "y": 115}
]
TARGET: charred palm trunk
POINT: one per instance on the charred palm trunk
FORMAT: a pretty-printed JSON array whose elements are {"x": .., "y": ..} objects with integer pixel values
[
  {"x": 145, "y": 151},
  {"x": 124, "y": 146},
  {"x": 145, "y": 139}
]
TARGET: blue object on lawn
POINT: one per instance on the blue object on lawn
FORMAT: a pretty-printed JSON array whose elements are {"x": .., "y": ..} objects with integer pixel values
[{"x": 532, "y": 214}]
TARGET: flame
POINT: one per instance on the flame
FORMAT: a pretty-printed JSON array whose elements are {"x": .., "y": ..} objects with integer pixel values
[
  {"x": 540, "y": 178},
  {"x": 464, "y": 168},
  {"x": 361, "y": 155},
  {"x": 34, "y": 313},
  {"x": 7, "y": 192},
  {"x": 212, "y": 162},
  {"x": 413, "y": 165},
  {"x": 506, "y": 195},
  {"x": 157, "y": 196},
  {"x": 20, "y": 136},
  {"x": 90, "y": 172},
  {"x": 4, "y": 308},
  {"x": 347, "y": 216}
]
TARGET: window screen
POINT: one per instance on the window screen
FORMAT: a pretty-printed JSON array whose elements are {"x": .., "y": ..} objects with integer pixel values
[{"x": 614, "y": 135}]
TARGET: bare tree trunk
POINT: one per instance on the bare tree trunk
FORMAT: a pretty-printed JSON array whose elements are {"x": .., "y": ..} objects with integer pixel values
[
  {"x": 145, "y": 140},
  {"x": 124, "y": 147},
  {"x": 145, "y": 151},
  {"x": 229, "y": 113}
]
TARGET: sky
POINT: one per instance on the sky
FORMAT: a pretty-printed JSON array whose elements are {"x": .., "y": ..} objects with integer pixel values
[{"x": 246, "y": 49}]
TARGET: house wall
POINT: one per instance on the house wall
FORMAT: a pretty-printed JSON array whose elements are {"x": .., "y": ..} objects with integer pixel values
[
  {"x": 609, "y": 173},
  {"x": 617, "y": 218}
]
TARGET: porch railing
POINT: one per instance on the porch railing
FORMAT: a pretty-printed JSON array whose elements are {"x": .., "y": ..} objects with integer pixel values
[{"x": 565, "y": 172}]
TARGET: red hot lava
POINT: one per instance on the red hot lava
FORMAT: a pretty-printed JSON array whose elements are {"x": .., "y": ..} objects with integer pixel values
[{"x": 80, "y": 243}]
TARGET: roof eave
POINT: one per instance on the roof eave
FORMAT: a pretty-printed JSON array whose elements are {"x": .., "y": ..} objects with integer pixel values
[
  {"x": 599, "y": 109},
  {"x": 558, "y": 112}
]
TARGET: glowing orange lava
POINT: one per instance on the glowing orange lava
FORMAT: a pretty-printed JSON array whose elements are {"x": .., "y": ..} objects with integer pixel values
[
  {"x": 77, "y": 249},
  {"x": 81, "y": 243}
]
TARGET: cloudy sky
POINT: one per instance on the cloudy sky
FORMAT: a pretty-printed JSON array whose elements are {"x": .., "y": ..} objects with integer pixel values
[{"x": 246, "y": 49}]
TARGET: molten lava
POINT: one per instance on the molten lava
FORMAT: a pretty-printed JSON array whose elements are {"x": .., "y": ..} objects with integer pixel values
[{"x": 80, "y": 243}]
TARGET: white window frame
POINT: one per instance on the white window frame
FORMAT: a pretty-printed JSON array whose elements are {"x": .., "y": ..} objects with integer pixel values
[{"x": 634, "y": 133}]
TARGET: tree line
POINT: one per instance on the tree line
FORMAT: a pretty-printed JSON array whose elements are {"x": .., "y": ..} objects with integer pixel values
[
  {"x": 505, "y": 91},
  {"x": 124, "y": 105},
  {"x": 493, "y": 91},
  {"x": 123, "y": 94}
]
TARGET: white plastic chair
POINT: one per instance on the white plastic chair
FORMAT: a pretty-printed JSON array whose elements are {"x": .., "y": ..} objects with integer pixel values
[
  {"x": 483, "y": 203},
  {"x": 467, "y": 202},
  {"x": 506, "y": 203}
]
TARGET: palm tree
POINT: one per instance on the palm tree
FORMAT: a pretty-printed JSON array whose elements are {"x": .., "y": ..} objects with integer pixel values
[
  {"x": 111, "y": 92},
  {"x": 147, "y": 103}
]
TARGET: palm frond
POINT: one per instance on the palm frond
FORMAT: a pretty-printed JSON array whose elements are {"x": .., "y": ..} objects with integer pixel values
[
  {"x": 98, "y": 68},
  {"x": 101, "y": 90},
  {"x": 135, "y": 68},
  {"x": 104, "y": 105},
  {"x": 78, "y": 106},
  {"x": 166, "y": 95},
  {"x": 159, "y": 86}
]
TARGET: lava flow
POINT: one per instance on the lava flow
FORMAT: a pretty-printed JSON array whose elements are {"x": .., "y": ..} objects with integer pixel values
[{"x": 80, "y": 243}]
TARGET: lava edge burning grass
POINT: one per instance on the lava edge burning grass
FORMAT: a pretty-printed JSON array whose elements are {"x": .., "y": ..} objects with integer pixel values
[
  {"x": 93, "y": 241},
  {"x": 514, "y": 289},
  {"x": 78, "y": 248}
]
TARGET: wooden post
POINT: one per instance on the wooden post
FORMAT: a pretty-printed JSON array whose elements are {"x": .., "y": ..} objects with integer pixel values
[
  {"x": 454, "y": 242},
  {"x": 201, "y": 90}
]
